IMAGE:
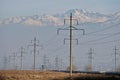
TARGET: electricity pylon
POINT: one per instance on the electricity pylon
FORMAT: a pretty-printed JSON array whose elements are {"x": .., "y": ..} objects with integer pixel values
[
  {"x": 90, "y": 58},
  {"x": 115, "y": 49},
  {"x": 71, "y": 27},
  {"x": 5, "y": 62},
  {"x": 14, "y": 60},
  {"x": 21, "y": 56},
  {"x": 45, "y": 58},
  {"x": 56, "y": 63}
]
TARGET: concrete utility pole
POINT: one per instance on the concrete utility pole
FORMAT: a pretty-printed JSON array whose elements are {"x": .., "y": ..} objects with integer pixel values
[
  {"x": 14, "y": 60},
  {"x": 9, "y": 60},
  {"x": 35, "y": 41},
  {"x": 71, "y": 45},
  {"x": 44, "y": 62},
  {"x": 14, "y": 57},
  {"x": 61, "y": 63},
  {"x": 71, "y": 28},
  {"x": 90, "y": 57},
  {"x": 56, "y": 63},
  {"x": 35, "y": 46},
  {"x": 22, "y": 52},
  {"x": 11, "y": 57},
  {"x": 116, "y": 58},
  {"x": 5, "y": 62}
]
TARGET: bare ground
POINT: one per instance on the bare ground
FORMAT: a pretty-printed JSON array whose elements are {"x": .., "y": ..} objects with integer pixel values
[{"x": 49, "y": 75}]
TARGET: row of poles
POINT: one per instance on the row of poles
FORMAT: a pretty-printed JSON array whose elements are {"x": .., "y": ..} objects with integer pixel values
[{"x": 71, "y": 27}]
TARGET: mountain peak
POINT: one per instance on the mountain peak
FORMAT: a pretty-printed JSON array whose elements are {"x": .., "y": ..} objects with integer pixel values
[
  {"x": 74, "y": 11},
  {"x": 82, "y": 15}
]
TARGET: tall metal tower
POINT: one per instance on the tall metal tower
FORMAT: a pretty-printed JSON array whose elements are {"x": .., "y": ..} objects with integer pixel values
[{"x": 70, "y": 29}]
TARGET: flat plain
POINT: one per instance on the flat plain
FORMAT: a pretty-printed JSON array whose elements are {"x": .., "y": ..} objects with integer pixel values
[{"x": 51, "y": 75}]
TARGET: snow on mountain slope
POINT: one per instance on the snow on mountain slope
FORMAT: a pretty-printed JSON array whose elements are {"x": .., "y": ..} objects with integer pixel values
[
  {"x": 113, "y": 19},
  {"x": 57, "y": 19}
]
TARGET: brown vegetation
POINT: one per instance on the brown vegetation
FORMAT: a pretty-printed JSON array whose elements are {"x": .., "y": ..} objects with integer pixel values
[{"x": 48, "y": 75}]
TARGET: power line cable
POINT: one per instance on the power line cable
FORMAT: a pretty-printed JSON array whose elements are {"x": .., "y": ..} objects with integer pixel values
[
  {"x": 101, "y": 30},
  {"x": 115, "y": 34},
  {"x": 101, "y": 42}
]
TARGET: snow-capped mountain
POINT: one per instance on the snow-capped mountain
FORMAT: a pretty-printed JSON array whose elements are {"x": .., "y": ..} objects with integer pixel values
[
  {"x": 113, "y": 19},
  {"x": 57, "y": 19},
  {"x": 86, "y": 16}
]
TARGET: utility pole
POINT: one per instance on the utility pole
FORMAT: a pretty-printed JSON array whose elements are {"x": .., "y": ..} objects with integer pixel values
[
  {"x": 57, "y": 63},
  {"x": 34, "y": 44},
  {"x": 35, "y": 41},
  {"x": 44, "y": 62},
  {"x": 22, "y": 52},
  {"x": 5, "y": 62},
  {"x": 115, "y": 57},
  {"x": 61, "y": 64},
  {"x": 90, "y": 57},
  {"x": 70, "y": 29},
  {"x": 9, "y": 58},
  {"x": 14, "y": 60}
]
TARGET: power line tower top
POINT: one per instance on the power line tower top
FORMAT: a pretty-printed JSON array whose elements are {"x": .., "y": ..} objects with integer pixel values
[{"x": 71, "y": 25}]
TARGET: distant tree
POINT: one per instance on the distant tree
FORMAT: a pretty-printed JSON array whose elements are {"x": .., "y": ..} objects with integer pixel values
[
  {"x": 118, "y": 69},
  {"x": 73, "y": 68},
  {"x": 88, "y": 68}
]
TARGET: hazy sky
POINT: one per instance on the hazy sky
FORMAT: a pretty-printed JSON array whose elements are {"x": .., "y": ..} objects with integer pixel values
[{"x": 10, "y": 8}]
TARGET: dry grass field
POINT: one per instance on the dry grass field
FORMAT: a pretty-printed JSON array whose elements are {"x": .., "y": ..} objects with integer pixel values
[{"x": 49, "y": 75}]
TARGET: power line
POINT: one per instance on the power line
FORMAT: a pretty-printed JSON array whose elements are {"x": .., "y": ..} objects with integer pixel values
[
  {"x": 102, "y": 42},
  {"x": 48, "y": 42},
  {"x": 101, "y": 30},
  {"x": 115, "y": 34}
]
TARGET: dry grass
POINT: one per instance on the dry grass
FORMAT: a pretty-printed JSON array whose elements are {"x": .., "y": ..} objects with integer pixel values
[
  {"x": 29, "y": 75},
  {"x": 48, "y": 75}
]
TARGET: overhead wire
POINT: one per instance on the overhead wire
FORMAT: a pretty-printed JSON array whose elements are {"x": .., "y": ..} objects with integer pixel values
[
  {"x": 101, "y": 30},
  {"x": 48, "y": 42},
  {"x": 115, "y": 34},
  {"x": 98, "y": 43}
]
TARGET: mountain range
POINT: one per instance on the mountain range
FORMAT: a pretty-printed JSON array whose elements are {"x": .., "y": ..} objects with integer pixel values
[{"x": 58, "y": 19}]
